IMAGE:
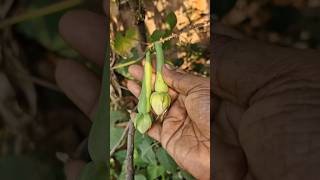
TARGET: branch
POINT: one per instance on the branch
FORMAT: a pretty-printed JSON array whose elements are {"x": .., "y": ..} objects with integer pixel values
[
  {"x": 121, "y": 140},
  {"x": 130, "y": 148},
  {"x": 162, "y": 40}
]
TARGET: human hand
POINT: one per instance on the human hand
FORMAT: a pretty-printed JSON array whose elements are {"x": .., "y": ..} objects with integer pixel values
[
  {"x": 83, "y": 88},
  {"x": 86, "y": 33},
  {"x": 266, "y": 121},
  {"x": 185, "y": 129}
]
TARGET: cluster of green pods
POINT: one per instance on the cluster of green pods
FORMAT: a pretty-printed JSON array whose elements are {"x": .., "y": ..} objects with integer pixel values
[{"x": 159, "y": 100}]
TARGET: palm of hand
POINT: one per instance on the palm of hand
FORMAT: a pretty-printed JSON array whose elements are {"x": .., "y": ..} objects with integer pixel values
[
  {"x": 185, "y": 129},
  {"x": 268, "y": 116},
  {"x": 185, "y": 133}
]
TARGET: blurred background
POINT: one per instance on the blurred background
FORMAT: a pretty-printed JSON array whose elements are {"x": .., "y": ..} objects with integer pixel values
[
  {"x": 293, "y": 23},
  {"x": 40, "y": 128}
]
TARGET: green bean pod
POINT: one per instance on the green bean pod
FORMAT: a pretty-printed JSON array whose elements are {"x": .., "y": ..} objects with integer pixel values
[
  {"x": 143, "y": 119},
  {"x": 160, "y": 99}
]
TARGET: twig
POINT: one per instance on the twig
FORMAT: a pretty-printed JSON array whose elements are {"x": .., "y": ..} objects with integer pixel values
[
  {"x": 139, "y": 9},
  {"x": 130, "y": 147},
  {"x": 121, "y": 140},
  {"x": 162, "y": 40},
  {"x": 127, "y": 63}
]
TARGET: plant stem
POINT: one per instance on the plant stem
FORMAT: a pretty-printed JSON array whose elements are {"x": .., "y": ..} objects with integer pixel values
[
  {"x": 119, "y": 143},
  {"x": 160, "y": 85},
  {"x": 160, "y": 56},
  {"x": 130, "y": 149}
]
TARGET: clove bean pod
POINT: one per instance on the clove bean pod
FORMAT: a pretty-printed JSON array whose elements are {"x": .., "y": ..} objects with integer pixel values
[
  {"x": 143, "y": 119},
  {"x": 160, "y": 99}
]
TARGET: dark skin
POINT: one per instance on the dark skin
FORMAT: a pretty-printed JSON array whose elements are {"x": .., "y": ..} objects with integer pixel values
[
  {"x": 266, "y": 112},
  {"x": 265, "y": 99}
]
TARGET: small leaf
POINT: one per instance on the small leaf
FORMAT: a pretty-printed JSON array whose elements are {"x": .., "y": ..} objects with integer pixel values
[
  {"x": 155, "y": 171},
  {"x": 140, "y": 177},
  {"x": 171, "y": 20},
  {"x": 147, "y": 153},
  {"x": 94, "y": 170},
  {"x": 115, "y": 131},
  {"x": 166, "y": 161},
  {"x": 124, "y": 71},
  {"x": 157, "y": 35},
  {"x": 121, "y": 155},
  {"x": 122, "y": 45}
]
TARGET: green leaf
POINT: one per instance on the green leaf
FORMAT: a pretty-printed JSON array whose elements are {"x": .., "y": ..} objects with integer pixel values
[
  {"x": 166, "y": 161},
  {"x": 122, "y": 45},
  {"x": 171, "y": 20},
  {"x": 124, "y": 71},
  {"x": 140, "y": 177},
  {"x": 155, "y": 171},
  {"x": 98, "y": 138},
  {"x": 115, "y": 132},
  {"x": 157, "y": 35},
  {"x": 147, "y": 153},
  {"x": 121, "y": 155},
  {"x": 94, "y": 170},
  {"x": 187, "y": 176},
  {"x": 137, "y": 160}
]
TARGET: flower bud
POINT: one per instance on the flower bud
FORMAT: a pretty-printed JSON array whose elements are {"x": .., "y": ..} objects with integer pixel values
[
  {"x": 160, "y": 85},
  {"x": 142, "y": 122},
  {"x": 160, "y": 101}
]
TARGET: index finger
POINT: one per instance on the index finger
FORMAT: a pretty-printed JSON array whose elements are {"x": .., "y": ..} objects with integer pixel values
[{"x": 86, "y": 32}]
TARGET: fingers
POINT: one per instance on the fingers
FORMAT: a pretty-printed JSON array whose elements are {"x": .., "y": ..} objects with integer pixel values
[
  {"x": 73, "y": 169},
  {"x": 134, "y": 88},
  {"x": 184, "y": 83},
  {"x": 230, "y": 161},
  {"x": 85, "y": 32},
  {"x": 244, "y": 71},
  {"x": 79, "y": 84},
  {"x": 137, "y": 72},
  {"x": 221, "y": 29}
]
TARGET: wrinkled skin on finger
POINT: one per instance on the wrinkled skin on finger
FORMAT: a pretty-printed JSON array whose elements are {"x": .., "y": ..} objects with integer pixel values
[{"x": 267, "y": 120}]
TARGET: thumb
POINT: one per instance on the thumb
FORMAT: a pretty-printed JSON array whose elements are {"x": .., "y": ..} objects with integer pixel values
[
  {"x": 184, "y": 83},
  {"x": 73, "y": 169}
]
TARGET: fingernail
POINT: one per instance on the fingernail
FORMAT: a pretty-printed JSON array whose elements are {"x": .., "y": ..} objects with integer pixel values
[{"x": 170, "y": 67}]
